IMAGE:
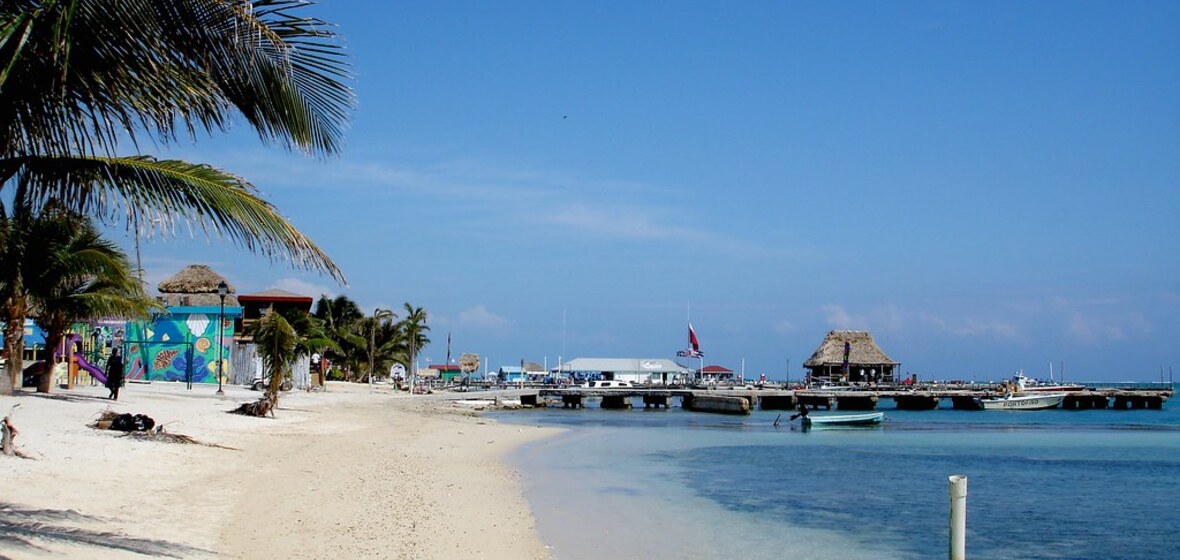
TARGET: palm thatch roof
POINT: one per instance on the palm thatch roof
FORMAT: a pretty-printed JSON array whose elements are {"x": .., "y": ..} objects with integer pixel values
[
  {"x": 196, "y": 285},
  {"x": 863, "y": 350}
]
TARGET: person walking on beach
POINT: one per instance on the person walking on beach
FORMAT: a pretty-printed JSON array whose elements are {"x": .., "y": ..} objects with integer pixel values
[{"x": 114, "y": 373}]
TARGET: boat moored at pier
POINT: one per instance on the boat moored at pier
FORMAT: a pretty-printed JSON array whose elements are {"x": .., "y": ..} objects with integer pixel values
[{"x": 1039, "y": 401}]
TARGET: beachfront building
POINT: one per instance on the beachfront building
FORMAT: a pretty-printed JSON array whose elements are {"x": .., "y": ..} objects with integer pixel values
[
  {"x": 449, "y": 373},
  {"x": 246, "y": 364},
  {"x": 850, "y": 357},
  {"x": 715, "y": 373},
  {"x": 532, "y": 372},
  {"x": 636, "y": 370},
  {"x": 255, "y": 305},
  {"x": 187, "y": 341}
]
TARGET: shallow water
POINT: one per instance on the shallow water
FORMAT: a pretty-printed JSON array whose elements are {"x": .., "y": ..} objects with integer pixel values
[{"x": 674, "y": 484}]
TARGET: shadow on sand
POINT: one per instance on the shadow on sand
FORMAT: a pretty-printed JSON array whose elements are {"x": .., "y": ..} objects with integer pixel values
[
  {"x": 59, "y": 396},
  {"x": 26, "y": 528}
]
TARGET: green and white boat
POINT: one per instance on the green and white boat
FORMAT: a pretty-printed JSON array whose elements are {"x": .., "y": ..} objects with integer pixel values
[{"x": 841, "y": 420}]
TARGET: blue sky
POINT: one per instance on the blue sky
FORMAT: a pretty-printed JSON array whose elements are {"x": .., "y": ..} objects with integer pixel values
[{"x": 984, "y": 186}]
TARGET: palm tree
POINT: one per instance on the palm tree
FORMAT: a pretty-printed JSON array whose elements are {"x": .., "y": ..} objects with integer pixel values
[
  {"x": 71, "y": 275},
  {"x": 378, "y": 335},
  {"x": 76, "y": 76},
  {"x": 13, "y": 304},
  {"x": 414, "y": 329},
  {"x": 338, "y": 315},
  {"x": 278, "y": 346}
]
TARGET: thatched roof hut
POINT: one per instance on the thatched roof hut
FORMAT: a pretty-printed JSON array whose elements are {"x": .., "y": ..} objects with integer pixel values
[
  {"x": 866, "y": 362},
  {"x": 195, "y": 286}
]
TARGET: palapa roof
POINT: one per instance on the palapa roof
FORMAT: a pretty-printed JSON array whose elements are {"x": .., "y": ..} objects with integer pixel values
[
  {"x": 196, "y": 286},
  {"x": 715, "y": 370},
  {"x": 863, "y": 350},
  {"x": 276, "y": 294}
]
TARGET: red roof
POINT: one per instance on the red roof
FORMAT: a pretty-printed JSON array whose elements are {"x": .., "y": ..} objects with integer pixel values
[{"x": 716, "y": 369}]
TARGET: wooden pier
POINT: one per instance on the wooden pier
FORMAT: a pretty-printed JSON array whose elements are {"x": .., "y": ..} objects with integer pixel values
[{"x": 743, "y": 401}]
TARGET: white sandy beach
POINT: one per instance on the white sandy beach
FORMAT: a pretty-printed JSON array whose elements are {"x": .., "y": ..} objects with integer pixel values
[{"x": 342, "y": 473}]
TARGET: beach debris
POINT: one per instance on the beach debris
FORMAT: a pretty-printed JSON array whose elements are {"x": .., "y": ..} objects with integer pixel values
[
  {"x": 8, "y": 435},
  {"x": 161, "y": 435},
  {"x": 261, "y": 407},
  {"x": 124, "y": 422}
]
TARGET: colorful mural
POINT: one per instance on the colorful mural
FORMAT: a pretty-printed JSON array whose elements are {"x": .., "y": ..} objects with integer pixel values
[{"x": 181, "y": 345}]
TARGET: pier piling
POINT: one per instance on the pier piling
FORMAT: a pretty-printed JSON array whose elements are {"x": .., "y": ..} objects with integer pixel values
[
  {"x": 958, "y": 522},
  {"x": 845, "y": 399},
  {"x": 916, "y": 402}
]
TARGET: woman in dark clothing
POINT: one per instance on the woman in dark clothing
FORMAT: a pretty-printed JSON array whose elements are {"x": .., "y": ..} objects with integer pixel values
[{"x": 114, "y": 373}]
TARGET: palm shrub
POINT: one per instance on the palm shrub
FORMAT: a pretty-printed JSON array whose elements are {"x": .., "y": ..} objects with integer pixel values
[
  {"x": 78, "y": 77},
  {"x": 72, "y": 274},
  {"x": 278, "y": 346},
  {"x": 56, "y": 266}
]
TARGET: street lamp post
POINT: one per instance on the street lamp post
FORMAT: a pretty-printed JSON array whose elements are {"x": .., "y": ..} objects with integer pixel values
[{"x": 222, "y": 290}]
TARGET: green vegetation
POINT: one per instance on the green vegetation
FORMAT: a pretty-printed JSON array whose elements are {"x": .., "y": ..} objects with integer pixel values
[
  {"x": 369, "y": 345},
  {"x": 79, "y": 79}
]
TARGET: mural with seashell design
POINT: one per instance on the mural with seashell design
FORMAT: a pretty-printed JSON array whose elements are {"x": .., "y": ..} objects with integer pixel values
[{"x": 175, "y": 346}]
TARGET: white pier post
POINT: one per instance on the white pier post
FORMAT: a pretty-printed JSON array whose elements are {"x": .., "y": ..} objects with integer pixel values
[{"x": 958, "y": 494}]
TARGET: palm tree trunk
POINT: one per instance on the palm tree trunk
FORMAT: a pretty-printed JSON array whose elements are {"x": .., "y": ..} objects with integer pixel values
[
  {"x": 14, "y": 348},
  {"x": 52, "y": 341}
]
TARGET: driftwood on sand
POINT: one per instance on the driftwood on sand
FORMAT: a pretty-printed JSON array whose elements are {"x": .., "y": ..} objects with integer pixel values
[
  {"x": 8, "y": 436},
  {"x": 261, "y": 407},
  {"x": 142, "y": 428},
  {"x": 161, "y": 435}
]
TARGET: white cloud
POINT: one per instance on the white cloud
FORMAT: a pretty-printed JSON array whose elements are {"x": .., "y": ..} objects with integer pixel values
[
  {"x": 1090, "y": 330},
  {"x": 303, "y": 287},
  {"x": 620, "y": 220},
  {"x": 985, "y": 327},
  {"x": 974, "y": 327},
  {"x": 480, "y": 317},
  {"x": 785, "y": 328},
  {"x": 839, "y": 318},
  {"x": 492, "y": 194}
]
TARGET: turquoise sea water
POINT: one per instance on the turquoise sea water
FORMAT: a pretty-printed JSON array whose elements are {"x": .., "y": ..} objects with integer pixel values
[{"x": 674, "y": 484}]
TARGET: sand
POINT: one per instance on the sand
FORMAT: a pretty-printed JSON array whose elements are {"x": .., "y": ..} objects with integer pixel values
[{"x": 344, "y": 473}]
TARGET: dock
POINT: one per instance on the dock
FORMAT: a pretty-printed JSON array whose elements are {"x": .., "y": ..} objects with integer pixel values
[{"x": 745, "y": 400}]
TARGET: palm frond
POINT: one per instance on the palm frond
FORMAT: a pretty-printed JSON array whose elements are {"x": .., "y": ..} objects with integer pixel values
[
  {"x": 219, "y": 203},
  {"x": 94, "y": 72}
]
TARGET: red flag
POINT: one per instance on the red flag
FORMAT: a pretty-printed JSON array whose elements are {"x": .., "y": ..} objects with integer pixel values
[{"x": 692, "y": 341}]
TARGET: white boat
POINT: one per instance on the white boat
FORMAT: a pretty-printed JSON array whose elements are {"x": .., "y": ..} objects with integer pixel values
[
  {"x": 1026, "y": 385},
  {"x": 833, "y": 420},
  {"x": 1035, "y": 401}
]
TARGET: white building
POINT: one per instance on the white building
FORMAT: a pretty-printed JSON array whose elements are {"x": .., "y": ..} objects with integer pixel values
[{"x": 635, "y": 370}]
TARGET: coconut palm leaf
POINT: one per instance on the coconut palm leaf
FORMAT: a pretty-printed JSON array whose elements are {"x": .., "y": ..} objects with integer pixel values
[
  {"x": 71, "y": 274},
  {"x": 91, "y": 72},
  {"x": 148, "y": 189}
]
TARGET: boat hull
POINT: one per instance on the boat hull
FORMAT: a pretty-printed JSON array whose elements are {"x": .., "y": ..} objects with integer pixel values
[
  {"x": 1023, "y": 402},
  {"x": 1054, "y": 388},
  {"x": 836, "y": 420}
]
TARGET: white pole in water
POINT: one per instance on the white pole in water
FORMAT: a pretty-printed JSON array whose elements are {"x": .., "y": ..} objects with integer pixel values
[{"x": 958, "y": 529}]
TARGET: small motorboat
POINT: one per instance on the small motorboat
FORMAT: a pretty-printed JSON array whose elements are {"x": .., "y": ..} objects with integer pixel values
[
  {"x": 1026, "y": 385},
  {"x": 1038, "y": 401},
  {"x": 841, "y": 420}
]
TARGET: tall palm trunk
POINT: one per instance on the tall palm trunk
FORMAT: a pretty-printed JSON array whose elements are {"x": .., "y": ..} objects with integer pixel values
[
  {"x": 14, "y": 345},
  {"x": 52, "y": 342}
]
